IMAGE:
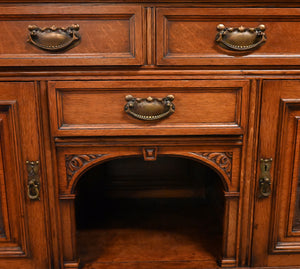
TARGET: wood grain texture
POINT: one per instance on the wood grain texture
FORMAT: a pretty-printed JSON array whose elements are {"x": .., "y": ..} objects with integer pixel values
[
  {"x": 187, "y": 36},
  {"x": 110, "y": 35},
  {"x": 200, "y": 107},
  {"x": 178, "y": 241}
]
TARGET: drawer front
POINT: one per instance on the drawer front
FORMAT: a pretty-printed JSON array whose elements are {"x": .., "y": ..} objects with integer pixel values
[
  {"x": 98, "y": 107},
  {"x": 186, "y": 36},
  {"x": 107, "y": 35}
]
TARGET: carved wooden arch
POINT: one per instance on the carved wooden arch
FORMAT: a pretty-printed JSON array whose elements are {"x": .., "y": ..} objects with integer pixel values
[
  {"x": 220, "y": 162},
  {"x": 77, "y": 165}
]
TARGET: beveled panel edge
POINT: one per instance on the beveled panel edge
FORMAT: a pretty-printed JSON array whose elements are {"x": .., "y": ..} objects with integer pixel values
[
  {"x": 12, "y": 247},
  {"x": 284, "y": 240}
]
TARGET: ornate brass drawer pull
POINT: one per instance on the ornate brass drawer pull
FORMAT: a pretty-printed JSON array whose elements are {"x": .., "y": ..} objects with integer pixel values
[
  {"x": 150, "y": 108},
  {"x": 53, "y": 38},
  {"x": 33, "y": 185},
  {"x": 240, "y": 38}
]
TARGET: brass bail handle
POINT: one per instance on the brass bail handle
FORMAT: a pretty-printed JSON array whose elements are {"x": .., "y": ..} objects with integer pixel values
[
  {"x": 33, "y": 183},
  {"x": 265, "y": 181},
  {"x": 54, "y": 38},
  {"x": 150, "y": 108},
  {"x": 241, "y": 38}
]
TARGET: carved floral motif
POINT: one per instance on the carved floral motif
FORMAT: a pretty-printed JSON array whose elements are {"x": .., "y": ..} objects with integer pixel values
[
  {"x": 222, "y": 159},
  {"x": 76, "y": 162}
]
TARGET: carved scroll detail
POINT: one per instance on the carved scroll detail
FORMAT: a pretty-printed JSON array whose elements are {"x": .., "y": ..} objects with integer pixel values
[
  {"x": 76, "y": 162},
  {"x": 222, "y": 159}
]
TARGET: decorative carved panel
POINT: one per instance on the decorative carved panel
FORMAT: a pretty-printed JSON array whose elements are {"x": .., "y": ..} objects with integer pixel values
[
  {"x": 222, "y": 159},
  {"x": 76, "y": 162}
]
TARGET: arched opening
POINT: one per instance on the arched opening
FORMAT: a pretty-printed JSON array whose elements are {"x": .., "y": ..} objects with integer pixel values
[{"x": 136, "y": 214}]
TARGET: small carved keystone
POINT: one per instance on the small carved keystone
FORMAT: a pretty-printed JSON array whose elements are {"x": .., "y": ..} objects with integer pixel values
[{"x": 150, "y": 154}]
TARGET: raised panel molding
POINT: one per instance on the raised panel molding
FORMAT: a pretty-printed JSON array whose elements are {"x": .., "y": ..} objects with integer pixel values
[
  {"x": 197, "y": 110},
  {"x": 187, "y": 36},
  {"x": 285, "y": 238},
  {"x": 13, "y": 242},
  {"x": 110, "y": 35}
]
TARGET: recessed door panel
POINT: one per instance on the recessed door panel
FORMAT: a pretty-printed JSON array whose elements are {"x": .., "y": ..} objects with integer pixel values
[{"x": 277, "y": 216}]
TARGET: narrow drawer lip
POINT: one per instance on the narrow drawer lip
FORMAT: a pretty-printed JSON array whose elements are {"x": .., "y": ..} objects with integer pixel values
[
  {"x": 131, "y": 54},
  {"x": 127, "y": 126},
  {"x": 224, "y": 12},
  {"x": 95, "y": 84},
  {"x": 68, "y": 60},
  {"x": 177, "y": 131},
  {"x": 221, "y": 57},
  {"x": 54, "y": 9}
]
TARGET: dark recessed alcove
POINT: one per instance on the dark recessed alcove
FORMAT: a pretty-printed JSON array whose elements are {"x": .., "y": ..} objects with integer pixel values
[{"x": 136, "y": 214}]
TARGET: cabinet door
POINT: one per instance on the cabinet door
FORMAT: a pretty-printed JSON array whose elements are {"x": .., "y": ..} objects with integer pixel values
[
  {"x": 276, "y": 233},
  {"x": 23, "y": 242}
]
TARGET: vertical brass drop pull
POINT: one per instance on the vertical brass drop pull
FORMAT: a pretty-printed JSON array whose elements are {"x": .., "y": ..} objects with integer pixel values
[
  {"x": 33, "y": 185},
  {"x": 265, "y": 177}
]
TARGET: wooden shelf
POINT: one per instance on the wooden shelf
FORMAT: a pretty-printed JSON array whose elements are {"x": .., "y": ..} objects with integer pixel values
[{"x": 151, "y": 233}]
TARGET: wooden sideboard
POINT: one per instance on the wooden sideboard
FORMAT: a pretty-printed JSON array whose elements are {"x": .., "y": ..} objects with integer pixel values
[{"x": 149, "y": 134}]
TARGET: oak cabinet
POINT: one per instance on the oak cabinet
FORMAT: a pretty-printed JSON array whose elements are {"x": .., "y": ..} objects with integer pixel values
[
  {"x": 149, "y": 134},
  {"x": 23, "y": 240}
]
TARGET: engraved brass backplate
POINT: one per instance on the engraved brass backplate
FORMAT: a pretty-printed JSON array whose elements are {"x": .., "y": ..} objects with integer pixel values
[
  {"x": 33, "y": 184},
  {"x": 149, "y": 109},
  {"x": 53, "y": 38},
  {"x": 265, "y": 177},
  {"x": 240, "y": 38}
]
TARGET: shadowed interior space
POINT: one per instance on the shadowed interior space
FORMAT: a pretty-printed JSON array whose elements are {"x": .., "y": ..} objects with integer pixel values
[{"x": 162, "y": 214}]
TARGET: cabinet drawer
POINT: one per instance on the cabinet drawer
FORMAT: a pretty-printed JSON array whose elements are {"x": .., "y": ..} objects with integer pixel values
[
  {"x": 186, "y": 36},
  {"x": 98, "y": 107},
  {"x": 107, "y": 35}
]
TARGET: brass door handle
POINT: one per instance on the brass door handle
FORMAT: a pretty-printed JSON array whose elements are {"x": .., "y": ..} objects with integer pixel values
[
  {"x": 33, "y": 184},
  {"x": 240, "y": 38},
  {"x": 53, "y": 38},
  {"x": 265, "y": 177},
  {"x": 150, "y": 108}
]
